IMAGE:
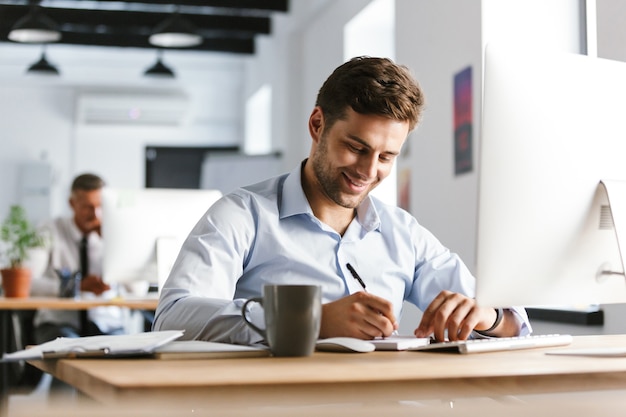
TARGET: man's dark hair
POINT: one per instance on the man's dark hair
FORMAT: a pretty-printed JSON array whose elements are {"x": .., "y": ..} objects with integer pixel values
[
  {"x": 87, "y": 182},
  {"x": 371, "y": 86}
]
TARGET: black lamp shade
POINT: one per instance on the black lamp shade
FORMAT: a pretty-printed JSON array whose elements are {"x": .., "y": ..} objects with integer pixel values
[
  {"x": 43, "y": 67},
  {"x": 159, "y": 69}
]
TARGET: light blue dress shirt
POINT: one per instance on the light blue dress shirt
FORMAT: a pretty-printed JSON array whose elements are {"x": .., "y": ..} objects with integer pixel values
[{"x": 266, "y": 233}]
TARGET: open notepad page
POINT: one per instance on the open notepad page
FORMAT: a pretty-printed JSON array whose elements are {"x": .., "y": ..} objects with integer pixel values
[
  {"x": 96, "y": 346},
  {"x": 400, "y": 342}
]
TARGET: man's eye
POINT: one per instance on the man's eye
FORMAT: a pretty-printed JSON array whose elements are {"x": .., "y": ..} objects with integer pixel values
[{"x": 356, "y": 149}]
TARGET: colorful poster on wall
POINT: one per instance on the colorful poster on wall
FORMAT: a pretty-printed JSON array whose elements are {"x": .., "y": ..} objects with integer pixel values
[{"x": 463, "y": 121}]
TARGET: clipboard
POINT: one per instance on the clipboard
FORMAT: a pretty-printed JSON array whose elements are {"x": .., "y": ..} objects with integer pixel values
[{"x": 104, "y": 346}]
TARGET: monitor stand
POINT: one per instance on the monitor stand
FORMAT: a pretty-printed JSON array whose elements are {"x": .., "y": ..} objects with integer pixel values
[
  {"x": 615, "y": 194},
  {"x": 607, "y": 212}
]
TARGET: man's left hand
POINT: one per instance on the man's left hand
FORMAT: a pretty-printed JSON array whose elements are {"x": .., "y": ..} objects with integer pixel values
[{"x": 455, "y": 313}]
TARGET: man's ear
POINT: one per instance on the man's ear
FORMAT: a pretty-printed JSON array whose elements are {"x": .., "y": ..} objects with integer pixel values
[{"x": 316, "y": 123}]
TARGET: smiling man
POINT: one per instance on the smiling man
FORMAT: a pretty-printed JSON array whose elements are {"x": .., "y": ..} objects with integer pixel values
[{"x": 306, "y": 226}]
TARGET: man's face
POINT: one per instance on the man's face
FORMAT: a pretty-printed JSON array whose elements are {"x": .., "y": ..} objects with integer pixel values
[
  {"x": 355, "y": 155},
  {"x": 86, "y": 207}
]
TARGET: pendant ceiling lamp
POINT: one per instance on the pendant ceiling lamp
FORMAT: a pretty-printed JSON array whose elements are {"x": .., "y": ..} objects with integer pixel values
[
  {"x": 159, "y": 69},
  {"x": 35, "y": 27},
  {"x": 43, "y": 67},
  {"x": 175, "y": 32}
]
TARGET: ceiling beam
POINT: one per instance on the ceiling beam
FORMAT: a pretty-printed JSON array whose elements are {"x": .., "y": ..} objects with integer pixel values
[
  {"x": 241, "y": 46},
  {"x": 222, "y": 31},
  {"x": 260, "y": 5}
]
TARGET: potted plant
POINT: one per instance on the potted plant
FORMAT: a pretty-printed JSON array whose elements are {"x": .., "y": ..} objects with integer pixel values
[{"x": 17, "y": 236}]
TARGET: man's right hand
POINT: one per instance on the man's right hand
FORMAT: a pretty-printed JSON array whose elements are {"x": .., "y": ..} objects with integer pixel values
[
  {"x": 94, "y": 284},
  {"x": 360, "y": 315}
]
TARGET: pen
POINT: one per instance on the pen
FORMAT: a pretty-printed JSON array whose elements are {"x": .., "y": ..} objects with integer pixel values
[{"x": 358, "y": 278}]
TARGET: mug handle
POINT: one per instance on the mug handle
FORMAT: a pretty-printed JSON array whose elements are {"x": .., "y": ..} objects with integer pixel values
[{"x": 244, "y": 313}]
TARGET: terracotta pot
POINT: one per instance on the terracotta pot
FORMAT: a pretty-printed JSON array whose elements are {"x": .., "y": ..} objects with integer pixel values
[{"x": 16, "y": 282}]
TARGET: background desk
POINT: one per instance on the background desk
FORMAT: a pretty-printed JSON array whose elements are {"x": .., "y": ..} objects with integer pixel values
[
  {"x": 35, "y": 303},
  {"x": 340, "y": 378},
  {"x": 9, "y": 305}
]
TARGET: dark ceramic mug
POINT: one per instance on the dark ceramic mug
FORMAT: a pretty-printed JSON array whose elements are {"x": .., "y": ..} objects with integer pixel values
[{"x": 292, "y": 318}]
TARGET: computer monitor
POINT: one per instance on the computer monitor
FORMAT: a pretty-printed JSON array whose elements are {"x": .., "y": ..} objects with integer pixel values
[
  {"x": 143, "y": 230},
  {"x": 553, "y": 129}
]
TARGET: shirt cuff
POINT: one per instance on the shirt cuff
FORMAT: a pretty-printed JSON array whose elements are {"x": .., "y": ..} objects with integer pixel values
[
  {"x": 256, "y": 314},
  {"x": 524, "y": 327}
]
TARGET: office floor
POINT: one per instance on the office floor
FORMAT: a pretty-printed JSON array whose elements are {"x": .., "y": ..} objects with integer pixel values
[
  {"x": 607, "y": 404},
  {"x": 39, "y": 396},
  {"x": 39, "y": 402}
]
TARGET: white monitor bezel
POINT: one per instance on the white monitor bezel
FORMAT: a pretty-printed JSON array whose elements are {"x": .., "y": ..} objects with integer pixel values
[{"x": 134, "y": 221}]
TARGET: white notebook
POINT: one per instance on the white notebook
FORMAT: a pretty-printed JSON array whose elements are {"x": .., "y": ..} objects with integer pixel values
[
  {"x": 198, "y": 349},
  {"x": 400, "y": 342}
]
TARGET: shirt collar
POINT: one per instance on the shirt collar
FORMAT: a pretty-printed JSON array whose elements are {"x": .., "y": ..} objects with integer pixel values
[
  {"x": 293, "y": 202},
  {"x": 367, "y": 215},
  {"x": 77, "y": 235}
]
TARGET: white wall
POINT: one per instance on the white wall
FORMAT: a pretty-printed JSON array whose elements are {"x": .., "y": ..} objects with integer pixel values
[
  {"x": 553, "y": 25},
  {"x": 443, "y": 203},
  {"x": 611, "y": 30},
  {"x": 38, "y": 115},
  {"x": 34, "y": 126},
  {"x": 278, "y": 63}
]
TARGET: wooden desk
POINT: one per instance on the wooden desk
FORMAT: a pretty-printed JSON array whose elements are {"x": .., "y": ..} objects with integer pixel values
[
  {"x": 340, "y": 378},
  {"x": 9, "y": 305}
]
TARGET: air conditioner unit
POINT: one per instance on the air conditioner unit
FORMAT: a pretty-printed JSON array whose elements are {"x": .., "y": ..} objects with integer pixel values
[{"x": 131, "y": 108}]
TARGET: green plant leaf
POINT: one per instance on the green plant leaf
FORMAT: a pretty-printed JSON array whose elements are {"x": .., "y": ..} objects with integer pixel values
[{"x": 18, "y": 235}]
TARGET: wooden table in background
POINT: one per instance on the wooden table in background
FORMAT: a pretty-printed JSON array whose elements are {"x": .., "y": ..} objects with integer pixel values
[{"x": 35, "y": 303}]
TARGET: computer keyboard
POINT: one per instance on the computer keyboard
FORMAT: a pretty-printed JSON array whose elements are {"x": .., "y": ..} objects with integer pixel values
[{"x": 498, "y": 344}]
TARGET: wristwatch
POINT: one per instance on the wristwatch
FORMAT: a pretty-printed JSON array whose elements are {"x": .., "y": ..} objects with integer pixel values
[{"x": 496, "y": 323}]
